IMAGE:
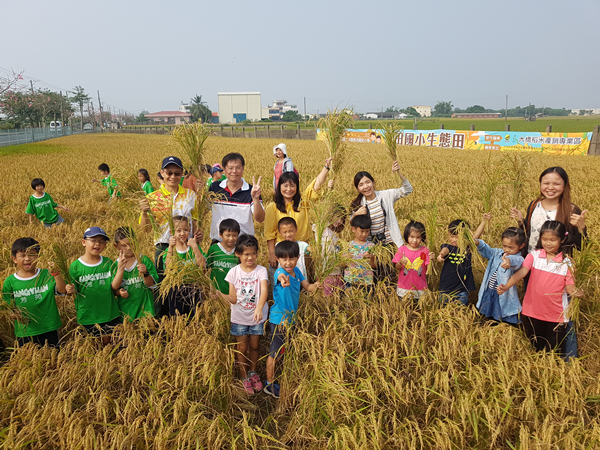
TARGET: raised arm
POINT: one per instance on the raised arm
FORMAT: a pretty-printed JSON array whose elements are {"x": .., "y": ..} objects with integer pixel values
[
  {"x": 259, "y": 211},
  {"x": 480, "y": 229},
  {"x": 322, "y": 177}
]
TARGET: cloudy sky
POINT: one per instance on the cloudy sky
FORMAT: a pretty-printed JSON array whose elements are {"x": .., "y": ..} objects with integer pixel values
[{"x": 153, "y": 54}]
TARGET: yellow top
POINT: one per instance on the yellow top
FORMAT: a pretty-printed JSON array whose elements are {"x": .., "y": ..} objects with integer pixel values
[{"x": 273, "y": 215}]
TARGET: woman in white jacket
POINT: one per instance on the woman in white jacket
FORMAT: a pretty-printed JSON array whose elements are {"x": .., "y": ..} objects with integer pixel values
[
  {"x": 380, "y": 206},
  {"x": 283, "y": 164}
]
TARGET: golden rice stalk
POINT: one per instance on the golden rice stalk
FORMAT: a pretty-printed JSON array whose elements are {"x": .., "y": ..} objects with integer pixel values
[
  {"x": 392, "y": 133},
  {"x": 431, "y": 230},
  {"x": 181, "y": 272},
  {"x": 492, "y": 180},
  {"x": 334, "y": 126},
  {"x": 516, "y": 167},
  {"x": 192, "y": 137},
  {"x": 326, "y": 256},
  {"x": 61, "y": 260},
  {"x": 586, "y": 270}
]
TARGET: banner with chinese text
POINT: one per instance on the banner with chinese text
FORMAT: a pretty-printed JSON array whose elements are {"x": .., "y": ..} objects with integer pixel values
[{"x": 552, "y": 143}]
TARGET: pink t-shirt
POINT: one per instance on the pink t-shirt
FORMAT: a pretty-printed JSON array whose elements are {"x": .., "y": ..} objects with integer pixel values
[
  {"x": 546, "y": 297},
  {"x": 247, "y": 288},
  {"x": 413, "y": 275}
]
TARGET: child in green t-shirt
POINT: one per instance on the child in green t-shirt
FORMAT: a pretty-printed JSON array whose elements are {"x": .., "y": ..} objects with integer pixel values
[
  {"x": 95, "y": 302},
  {"x": 108, "y": 181},
  {"x": 136, "y": 278},
  {"x": 220, "y": 257},
  {"x": 31, "y": 292},
  {"x": 183, "y": 250},
  {"x": 144, "y": 178},
  {"x": 43, "y": 206}
]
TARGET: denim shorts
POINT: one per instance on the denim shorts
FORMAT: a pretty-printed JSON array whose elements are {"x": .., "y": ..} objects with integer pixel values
[
  {"x": 244, "y": 330},
  {"x": 278, "y": 334}
]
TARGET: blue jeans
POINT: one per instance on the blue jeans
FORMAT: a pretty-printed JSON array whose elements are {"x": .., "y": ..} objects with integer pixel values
[
  {"x": 58, "y": 222},
  {"x": 462, "y": 297},
  {"x": 571, "y": 346}
]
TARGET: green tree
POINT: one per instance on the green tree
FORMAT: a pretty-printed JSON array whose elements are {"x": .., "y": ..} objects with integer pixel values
[
  {"x": 393, "y": 109},
  {"x": 475, "y": 109},
  {"x": 442, "y": 109},
  {"x": 291, "y": 116},
  {"x": 200, "y": 110},
  {"x": 80, "y": 98},
  {"x": 411, "y": 112},
  {"x": 141, "y": 117}
]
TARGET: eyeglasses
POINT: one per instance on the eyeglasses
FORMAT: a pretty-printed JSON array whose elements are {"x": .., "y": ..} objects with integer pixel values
[{"x": 96, "y": 241}]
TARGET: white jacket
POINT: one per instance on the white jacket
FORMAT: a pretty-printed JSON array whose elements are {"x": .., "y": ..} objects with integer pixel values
[{"x": 387, "y": 199}]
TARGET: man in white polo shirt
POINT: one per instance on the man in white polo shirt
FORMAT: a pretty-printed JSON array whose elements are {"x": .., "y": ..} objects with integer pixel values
[{"x": 236, "y": 199}]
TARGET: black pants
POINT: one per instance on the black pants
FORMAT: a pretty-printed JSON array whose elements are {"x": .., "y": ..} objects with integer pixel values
[
  {"x": 184, "y": 300},
  {"x": 50, "y": 338},
  {"x": 545, "y": 335},
  {"x": 161, "y": 307}
]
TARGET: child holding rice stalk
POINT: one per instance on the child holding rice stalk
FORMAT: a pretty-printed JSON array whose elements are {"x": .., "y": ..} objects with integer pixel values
[
  {"x": 95, "y": 301},
  {"x": 247, "y": 295},
  {"x": 358, "y": 274},
  {"x": 108, "y": 181},
  {"x": 144, "y": 178},
  {"x": 183, "y": 249},
  {"x": 456, "y": 279},
  {"x": 136, "y": 278},
  {"x": 334, "y": 281},
  {"x": 412, "y": 260},
  {"x": 31, "y": 290},
  {"x": 551, "y": 285},
  {"x": 503, "y": 263}
]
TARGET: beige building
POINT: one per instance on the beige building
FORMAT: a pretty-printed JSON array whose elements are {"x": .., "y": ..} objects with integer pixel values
[
  {"x": 424, "y": 111},
  {"x": 235, "y": 107}
]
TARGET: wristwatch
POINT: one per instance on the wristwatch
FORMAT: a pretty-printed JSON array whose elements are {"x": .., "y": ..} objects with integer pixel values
[{"x": 147, "y": 274}]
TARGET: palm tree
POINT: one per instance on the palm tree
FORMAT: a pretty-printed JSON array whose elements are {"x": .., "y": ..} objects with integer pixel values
[{"x": 200, "y": 110}]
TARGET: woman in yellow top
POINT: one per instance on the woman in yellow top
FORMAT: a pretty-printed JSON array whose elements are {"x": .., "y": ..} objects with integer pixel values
[{"x": 287, "y": 202}]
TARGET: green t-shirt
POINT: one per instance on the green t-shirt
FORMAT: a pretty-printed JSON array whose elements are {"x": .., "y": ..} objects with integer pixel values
[
  {"x": 43, "y": 208},
  {"x": 140, "y": 302},
  {"x": 218, "y": 261},
  {"x": 94, "y": 299},
  {"x": 147, "y": 187},
  {"x": 187, "y": 256},
  {"x": 210, "y": 181},
  {"x": 111, "y": 184},
  {"x": 35, "y": 298}
]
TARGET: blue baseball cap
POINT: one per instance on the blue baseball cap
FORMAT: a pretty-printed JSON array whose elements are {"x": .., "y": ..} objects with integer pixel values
[
  {"x": 171, "y": 160},
  {"x": 95, "y": 231}
]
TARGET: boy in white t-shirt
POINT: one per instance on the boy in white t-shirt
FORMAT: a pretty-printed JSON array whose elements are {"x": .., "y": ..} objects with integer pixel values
[{"x": 248, "y": 290}]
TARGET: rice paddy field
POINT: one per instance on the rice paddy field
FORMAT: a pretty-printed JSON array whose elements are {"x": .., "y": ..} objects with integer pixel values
[{"x": 378, "y": 374}]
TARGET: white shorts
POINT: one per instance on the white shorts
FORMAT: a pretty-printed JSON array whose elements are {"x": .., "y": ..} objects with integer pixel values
[{"x": 410, "y": 292}]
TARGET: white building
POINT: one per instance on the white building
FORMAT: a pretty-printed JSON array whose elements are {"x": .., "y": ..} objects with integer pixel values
[
  {"x": 587, "y": 112},
  {"x": 184, "y": 107},
  {"x": 277, "y": 110},
  {"x": 234, "y": 107},
  {"x": 424, "y": 111}
]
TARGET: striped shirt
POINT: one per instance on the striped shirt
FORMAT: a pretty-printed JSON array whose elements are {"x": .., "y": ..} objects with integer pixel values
[
  {"x": 378, "y": 219},
  {"x": 493, "y": 283}
]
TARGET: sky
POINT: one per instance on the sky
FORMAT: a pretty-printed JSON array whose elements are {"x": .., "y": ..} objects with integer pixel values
[{"x": 151, "y": 55}]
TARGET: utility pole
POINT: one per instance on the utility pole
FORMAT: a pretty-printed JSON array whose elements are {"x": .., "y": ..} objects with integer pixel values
[
  {"x": 100, "y": 108},
  {"x": 506, "y": 109},
  {"x": 304, "y": 111},
  {"x": 93, "y": 116},
  {"x": 31, "y": 82}
]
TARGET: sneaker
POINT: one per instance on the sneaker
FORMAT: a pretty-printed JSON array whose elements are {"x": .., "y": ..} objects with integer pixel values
[
  {"x": 272, "y": 389},
  {"x": 248, "y": 386},
  {"x": 256, "y": 383}
]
